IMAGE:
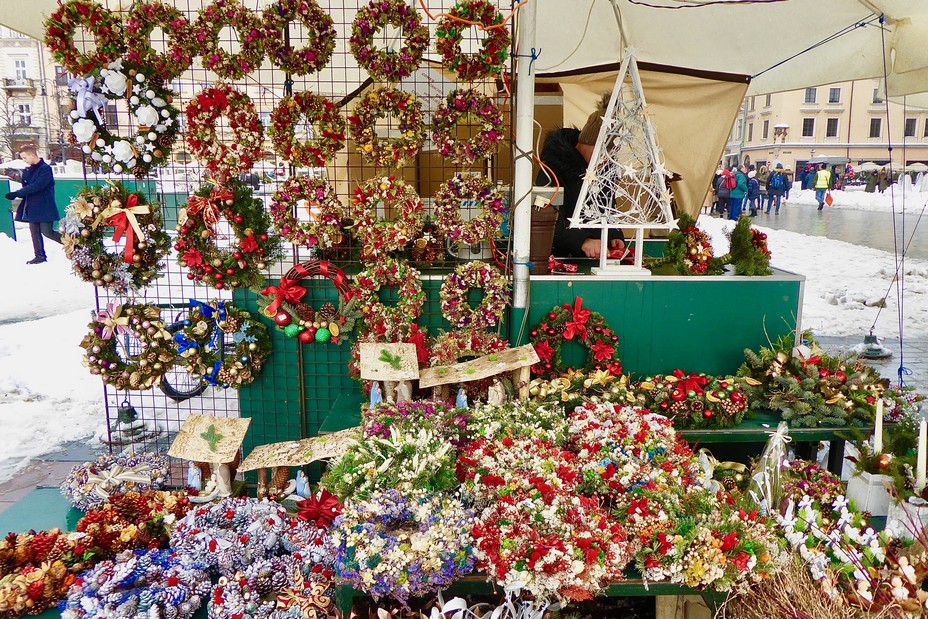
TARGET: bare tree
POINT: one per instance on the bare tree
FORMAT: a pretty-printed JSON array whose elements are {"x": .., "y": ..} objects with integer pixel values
[{"x": 13, "y": 125}]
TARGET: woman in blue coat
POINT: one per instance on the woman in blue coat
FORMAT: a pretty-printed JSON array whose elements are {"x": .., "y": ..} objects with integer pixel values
[{"x": 38, "y": 207}]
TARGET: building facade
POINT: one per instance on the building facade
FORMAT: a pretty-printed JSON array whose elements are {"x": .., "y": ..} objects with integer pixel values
[{"x": 844, "y": 120}]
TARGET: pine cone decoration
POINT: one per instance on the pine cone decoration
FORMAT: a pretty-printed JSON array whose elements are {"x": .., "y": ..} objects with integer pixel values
[
  {"x": 279, "y": 480},
  {"x": 165, "y": 141},
  {"x": 231, "y": 324},
  {"x": 224, "y": 376},
  {"x": 327, "y": 313},
  {"x": 305, "y": 312},
  {"x": 729, "y": 483}
]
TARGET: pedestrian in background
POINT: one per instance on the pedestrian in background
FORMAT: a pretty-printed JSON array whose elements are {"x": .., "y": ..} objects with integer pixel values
[
  {"x": 38, "y": 206},
  {"x": 723, "y": 190},
  {"x": 738, "y": 192},
  {"x": 777, "y": 185},
  {"x": 821, "y": 184},
  {"x": 753, "y": 192}
]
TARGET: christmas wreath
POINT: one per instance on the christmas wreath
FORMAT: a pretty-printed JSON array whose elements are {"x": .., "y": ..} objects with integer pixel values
[
  {"x": 472, "y": 108},
  {"x": 105, "y": 27},
  {"x": 284, "y": 304},
  {"x": 317, "y": 26},
  {"x": 322, "y": 205},
  {"x": 579, "y": 324},
  {"x": 149, "y": 106},
  {"x": 493, "y": 50},
  {"x": 203, "y": 112},
  {"x": 379, "y": 237},
  {"x": 115, "y": 359},
  {"x": 330, "y": 129},
  {"x": 91, "y": 484},
  {"x": 200, "y": 344},
  {"x": 142, "y": 19},
  {"x": 378, "y": 103},
  {"x": 694, "y": 400},
  {"x": 204, "y": 39},
  {"x": 471, "y": 192},
  {"x": 98, "y": 213},
  {"x": 378, "y": 318},
  {"x": 384, "y": 65},
  {"x": 251, "y": 251},
  {"x": 454, "y": 304}
]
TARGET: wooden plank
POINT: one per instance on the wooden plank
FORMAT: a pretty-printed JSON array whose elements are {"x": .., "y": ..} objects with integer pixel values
[
  {"x": 203, "y": 438},
  {"x": 298, "y": 453},
  {"x": 389, "y": 361},
  {"x": 494, "y": 364}
]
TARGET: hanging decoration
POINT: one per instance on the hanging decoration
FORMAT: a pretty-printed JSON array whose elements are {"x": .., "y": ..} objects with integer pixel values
[
  {"x": 388, "y": 65},
  {"x": 469, "y": 192},
  {"x": 318, "y": 27},
  {"x": 202, "y": 350},
  {"x": 110, "y": 211},
  {"x": 251, "y": 251},
  {"x": 143, "y": 18},
  {"x": 91, "y": 484},
  {"x": 284, "y": 304},
  {"x": 586, "y": 327},
  {"x": 378, "y": 318},
  {"x": 378, "y": 237},
  {"x": 204, "y": 39},
  {"x": 329, "y": 129},
  {"x": 106, "y": 28},
  {"x": 151, "y": 111},
  {"x": 390, "y": 152},
  {"x": 467, "y": 107},
  {"x": 110, "y": 352},
  {"x": 455, "y": 307},
  {"x": 322, "y": 205},
  {"x": 225, "y": 160},
  {"x": 494, "y": 48}
]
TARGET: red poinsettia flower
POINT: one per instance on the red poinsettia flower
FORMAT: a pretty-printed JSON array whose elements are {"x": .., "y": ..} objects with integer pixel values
[
  {"x": 651, "y": 562},
  {"x": 249, "y": 244},
  {"x": 602, "y": 351},
  {"x": 193, "y": 257},
  {"x": 741, "y": 561},
  {"x": 544, "y": 350},
  {"x": 729, "y": 541}
]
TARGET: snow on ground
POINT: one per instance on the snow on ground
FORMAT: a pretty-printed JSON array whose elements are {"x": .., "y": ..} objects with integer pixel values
[
  {"x": 903, "y": 196},
  {"x": 844, "y": 282}
]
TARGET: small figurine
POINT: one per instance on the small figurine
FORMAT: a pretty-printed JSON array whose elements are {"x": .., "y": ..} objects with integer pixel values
[
  {"x": 223, "y": 476},
  {"x": 496, "y": 394},
  {"x": 302, "y": 484},
  {"x": 194, "y": 477},
  {"x": 403, "y": 391},
  {"x": 461, "y": 400},
  {"x": 376, "y": 395},
  {"x": 389, "y": 391}
]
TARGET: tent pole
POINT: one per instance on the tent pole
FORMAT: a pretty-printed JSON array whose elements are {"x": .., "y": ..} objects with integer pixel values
[{"x": 522, "y": 172}]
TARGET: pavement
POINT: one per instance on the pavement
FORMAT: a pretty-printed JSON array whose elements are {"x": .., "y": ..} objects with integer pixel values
[{"x": 915, "y": 358}]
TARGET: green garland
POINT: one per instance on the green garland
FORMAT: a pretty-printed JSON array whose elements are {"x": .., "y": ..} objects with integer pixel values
[{"x": 693, "y": 400}]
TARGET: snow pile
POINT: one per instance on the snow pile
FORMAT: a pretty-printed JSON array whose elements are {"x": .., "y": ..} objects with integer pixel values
[{"x": 855, "y": 198}]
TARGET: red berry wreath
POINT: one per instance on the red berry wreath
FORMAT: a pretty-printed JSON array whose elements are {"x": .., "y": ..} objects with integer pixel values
[
  {"x": 381, "y": 237},
  {"x": 322, "y": 205},
  {"x": 317, "y": 26},
  {"x": 106, "y": 28},
  {"x": 382, "y": 64},
  {"x": 142, "y": 19},
  {"x": 329, "y": 130},
  {"x": 493, "y": 50},
  {"x": 576, "y": 323},
  {"x": 204, "y": 39},
  {"x": 252, "y": 249},
  {"x": 470, "y": 107},
  {"x": 203, "y": 112}
]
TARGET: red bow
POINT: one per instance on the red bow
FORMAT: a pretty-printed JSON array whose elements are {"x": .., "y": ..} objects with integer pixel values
[
  {"x": 577, "y": 326},
  {"x": 123, "y": 225},
  {"x": 321, "y": 509},
  {"x": 289, "y": 291},
  {"x": 207, "y": 207},
  {"x": 813, "y": 360},
  {"x": 417, "y": 337},
  {"x": 693, "y": 382}
]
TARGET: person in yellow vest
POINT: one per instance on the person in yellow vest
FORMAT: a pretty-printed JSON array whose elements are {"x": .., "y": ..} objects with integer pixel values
[{"x": 821, "y": 185}]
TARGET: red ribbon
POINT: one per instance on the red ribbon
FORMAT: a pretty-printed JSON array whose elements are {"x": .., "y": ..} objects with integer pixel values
[
  {"x": 556, "y": 266},
  {"x": 577, "y": 326},
  {"x": 206, "y": 207},
  {"x": 289, "y": 291},
  {"x": 813, "y": 360},
  {"x": 321, "y": 509},
  {"x": 693, "y": 382},
  {"x": 417, "y": 338},
  {"x": 120, "y": 221}
]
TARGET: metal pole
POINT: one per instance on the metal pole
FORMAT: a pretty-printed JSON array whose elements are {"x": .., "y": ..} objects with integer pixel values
[{"x": 522, "y": 168}]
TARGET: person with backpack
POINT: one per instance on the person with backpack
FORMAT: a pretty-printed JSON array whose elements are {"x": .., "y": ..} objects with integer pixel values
[
  {"x": 822, "y": 184},
  {"x": 776, "y": 187},
  {"x": 723, "y": 190},
  {"x": 753, "y": 192},
  {"x": 738, "y": 192}
]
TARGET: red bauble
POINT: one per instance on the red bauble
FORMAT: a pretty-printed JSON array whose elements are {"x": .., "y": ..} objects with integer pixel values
[
  {"x": 677, "y": 395},
  {"x": 841, "y": 376},
  {"x": 230, "y": 271},
  {"x": 311, "y": 331},
  {"x": 282, "y": 318},
  {"x": 615, "y": 338},
  {"x": 823, "y": 373},
  {"x": 534, "y": 333},
  {"x": 552, "y": 316},
  {"x": 306, "y": 337},
  {"x": 664, "y": 406},
  {"x": 707, "y": 414}
]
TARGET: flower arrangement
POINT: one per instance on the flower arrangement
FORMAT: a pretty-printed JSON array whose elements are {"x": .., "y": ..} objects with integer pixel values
[
  {"x": 454, "y": 290},
  {"x": 694, "y": 400},
  {"x": 322, "y": 205},
  {"x": 203, "y": 112},
  {"x": 86, "y": 227},
  {"x": 469, "y": 107},
  {"x": 493, "y": 50},
  {"x": 284, "y": 303},
  {"x": 34, "y": 588},
  {"x": 146, "y": 581},
  {"x": 576, "y": 388},
  {"x": 380, "y": 64},
  {"x": 689, "y": 250},
  {"x": 91, "y": 484},
  {"x": 106, "y": 347},
  {"x": 378, "y": 103},
  {"x": 142, "y": 19},
  {"x": 252, "y": 249},
  {"x": 378, "y": 237},
  {"x": 470, "y": 192},
  {"x": 378, "y": 318},
  {"x": 329, "y": 129},
  {"x": 801, "y": 479},
  {"x": 518, "y": 420},
  {"x": 309, "y": 531},
  {"x": 582, "y": 325},
  {"x": 204, "y": 39},
  {"x": 399, "y": 546},
  {"x": 107, "y": 30},
  {"x": 385, "y": 419},
  {"x": 226, "y": 536},
  {"x": 412, "y": 462},
  {"x": 200, "y": 344},
  {"x": 149, "y": 105},
  {"x": 317, "y": 26}
]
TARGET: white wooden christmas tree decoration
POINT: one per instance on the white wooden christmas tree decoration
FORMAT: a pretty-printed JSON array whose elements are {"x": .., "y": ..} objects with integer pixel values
[{"x": 625, "y": 186}]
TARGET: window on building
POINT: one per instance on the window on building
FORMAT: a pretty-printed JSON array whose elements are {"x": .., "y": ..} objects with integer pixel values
[
  {"x": 831, "y": 128},
  {"x": 19, "y": 69},
  {"x": 926, "y": 127},
  {"x": 808, "y": 127},
  {"x": 876, "y": 96},
  {"x": 24, "y": 114},
  {"x": 834, "y": 95},
  {"x": 751, "y": 106},
  {"x": 766, "y": 129},
  {"x": 62, "y": 77},
  {"x": 875, "y": 127},
  {"x": 750, "y": 132},
  {"x": 767, "y": 102},
  {"x": 910, "y": 127},
  {"x": 810, "y": 95}
]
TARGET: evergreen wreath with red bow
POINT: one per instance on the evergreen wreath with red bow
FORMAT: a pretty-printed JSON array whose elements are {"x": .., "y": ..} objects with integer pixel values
[{"x": 575, "y": 323}]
